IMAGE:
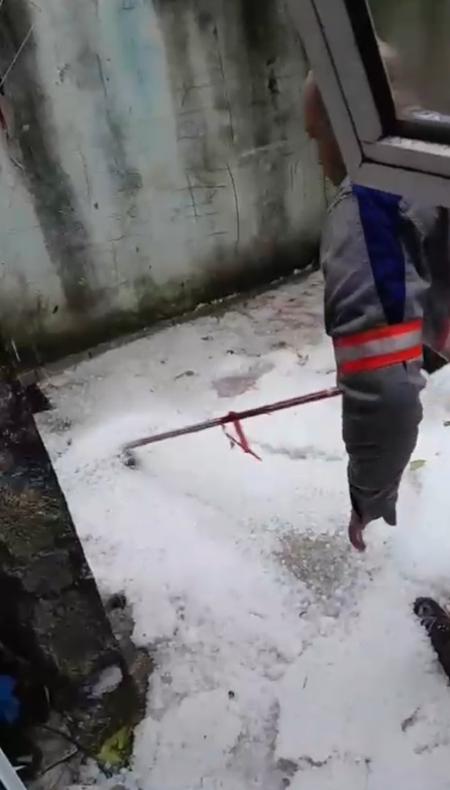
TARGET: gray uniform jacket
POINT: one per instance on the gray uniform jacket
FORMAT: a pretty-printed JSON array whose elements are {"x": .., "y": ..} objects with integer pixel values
[{"x": 387, "y": 291}]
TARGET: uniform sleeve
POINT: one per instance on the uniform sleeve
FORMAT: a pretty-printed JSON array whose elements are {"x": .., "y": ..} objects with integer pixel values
[{"x": 374, "y": 302}]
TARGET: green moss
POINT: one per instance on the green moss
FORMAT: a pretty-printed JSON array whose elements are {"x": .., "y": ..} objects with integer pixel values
[
  {"x": 30, "y": 521},
  {"x": 116, "y": 750}
]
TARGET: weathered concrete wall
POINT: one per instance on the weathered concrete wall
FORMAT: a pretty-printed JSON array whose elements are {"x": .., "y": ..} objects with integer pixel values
[{"x": 159, "y": 159}]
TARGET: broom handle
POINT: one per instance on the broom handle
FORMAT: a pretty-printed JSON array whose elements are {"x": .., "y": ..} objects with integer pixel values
[{"x": 232, "y": 417}]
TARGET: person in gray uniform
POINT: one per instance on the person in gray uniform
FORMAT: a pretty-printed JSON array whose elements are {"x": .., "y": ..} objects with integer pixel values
[
  {"x": 387, "y": 293},
  {"x": 386, "y": 266}
]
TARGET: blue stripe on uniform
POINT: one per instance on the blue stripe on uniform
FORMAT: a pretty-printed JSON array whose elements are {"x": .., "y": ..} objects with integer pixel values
[{"x": 380, "y": 219}]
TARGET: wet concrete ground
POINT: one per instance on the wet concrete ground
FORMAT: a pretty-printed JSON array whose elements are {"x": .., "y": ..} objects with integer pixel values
[{"x": 282, "y": 658}]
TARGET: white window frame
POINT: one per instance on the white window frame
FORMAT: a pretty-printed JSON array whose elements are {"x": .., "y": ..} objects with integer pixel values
[{"x": 417, "y": 168}]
